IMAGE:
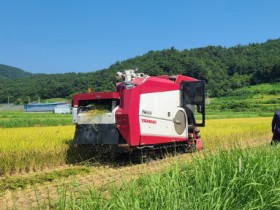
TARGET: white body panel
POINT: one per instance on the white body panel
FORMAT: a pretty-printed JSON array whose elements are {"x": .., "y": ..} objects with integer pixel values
[{"x": 157, "y": 112}]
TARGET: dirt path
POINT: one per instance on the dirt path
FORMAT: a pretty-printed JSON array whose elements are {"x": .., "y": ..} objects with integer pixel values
[{"x": 41, "y": 195}]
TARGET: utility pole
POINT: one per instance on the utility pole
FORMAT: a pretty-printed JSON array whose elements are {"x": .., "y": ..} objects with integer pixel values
[{"x": 8, "y": 100}]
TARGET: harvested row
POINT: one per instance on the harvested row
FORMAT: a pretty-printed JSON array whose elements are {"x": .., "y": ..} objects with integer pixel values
[{"x": 233, "y": 179}]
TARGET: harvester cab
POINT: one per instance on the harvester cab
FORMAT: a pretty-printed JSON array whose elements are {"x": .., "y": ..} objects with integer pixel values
[{"x": 145, "y": 115}]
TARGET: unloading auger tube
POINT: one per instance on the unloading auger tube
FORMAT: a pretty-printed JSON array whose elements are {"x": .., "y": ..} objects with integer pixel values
[{"x": 146, "y": 116}]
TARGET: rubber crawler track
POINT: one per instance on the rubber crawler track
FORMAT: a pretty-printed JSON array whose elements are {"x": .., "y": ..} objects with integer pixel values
[{"x": 147, "y": 154}]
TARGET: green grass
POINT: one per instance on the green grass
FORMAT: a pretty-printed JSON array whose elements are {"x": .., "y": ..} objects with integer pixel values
[
  {"x": 10, "y": 119},
  {"x": 259, "y": 90},
  {"x": 264, "y": 98},
  {"x": 238, "y": 179},
  {"x": 54, "y": 100},
  {"x": 216, "y": 114}
]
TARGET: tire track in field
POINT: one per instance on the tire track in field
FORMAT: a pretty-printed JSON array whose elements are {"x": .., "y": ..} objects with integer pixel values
[{"x": 40, "y": 195}]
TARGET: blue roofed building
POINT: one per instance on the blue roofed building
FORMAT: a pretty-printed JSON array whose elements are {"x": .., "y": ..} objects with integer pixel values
[{"x": 60, "y": 107}]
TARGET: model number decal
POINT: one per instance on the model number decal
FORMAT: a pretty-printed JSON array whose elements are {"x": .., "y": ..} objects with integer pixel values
[
  {"x": 149, "y": 121},
  {"x": 146, "y": 112}
]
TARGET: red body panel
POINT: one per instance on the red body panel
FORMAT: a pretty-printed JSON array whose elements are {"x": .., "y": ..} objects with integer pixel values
[
  {"x": 154, "y": 84},
  {"x": 127, "y": 115},
  {"x": 178, "y": 79},
  {"x": 181, "y": 78}
]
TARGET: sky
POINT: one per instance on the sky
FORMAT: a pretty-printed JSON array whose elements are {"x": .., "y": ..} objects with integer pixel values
[{"x": 60, "y": 36}]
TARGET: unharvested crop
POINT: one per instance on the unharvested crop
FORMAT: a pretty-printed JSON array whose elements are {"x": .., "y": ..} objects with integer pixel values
[
  {"x": 234, "y": 132},
  {"x": 35, "y": 148}
]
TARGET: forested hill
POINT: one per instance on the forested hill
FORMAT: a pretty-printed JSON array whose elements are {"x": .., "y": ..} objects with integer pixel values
[
  {"x": 223, "y": 69},
  {"x": 12, "y": 72}
]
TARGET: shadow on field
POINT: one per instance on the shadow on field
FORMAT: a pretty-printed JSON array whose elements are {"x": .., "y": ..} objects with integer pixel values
[{"x": 95, "y": 155}]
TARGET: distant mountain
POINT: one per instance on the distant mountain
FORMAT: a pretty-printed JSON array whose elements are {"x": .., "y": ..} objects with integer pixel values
[
  {"x": 223, "y": 69},
  {"x": 12, "y": 72}
]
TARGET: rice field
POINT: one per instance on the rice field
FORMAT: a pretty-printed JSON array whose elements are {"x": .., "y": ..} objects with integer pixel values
[
  {"x": 28, "y": 149},
  {"x": 225, "y": 175},
  {"x": 14, "y": 119},
  {"x": 33, "y": 148},
  {"x": 235, "y": 132}
]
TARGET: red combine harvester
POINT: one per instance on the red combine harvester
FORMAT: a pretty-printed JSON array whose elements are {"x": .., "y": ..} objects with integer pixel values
[{"x": 145, "y": 117}]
